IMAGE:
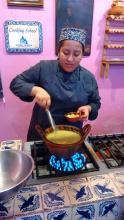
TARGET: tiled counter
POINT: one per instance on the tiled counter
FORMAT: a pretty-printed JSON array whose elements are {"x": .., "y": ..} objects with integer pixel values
[{"x": 98, "y": 197}]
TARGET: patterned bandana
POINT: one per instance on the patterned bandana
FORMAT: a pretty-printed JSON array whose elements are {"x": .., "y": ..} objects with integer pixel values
[{"x": 73, "y": 34}]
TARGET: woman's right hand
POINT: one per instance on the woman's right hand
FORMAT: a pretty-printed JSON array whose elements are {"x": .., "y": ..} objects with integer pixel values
[{"x": 42, "y": 97}]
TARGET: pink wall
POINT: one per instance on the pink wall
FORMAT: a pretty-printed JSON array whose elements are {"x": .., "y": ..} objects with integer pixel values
[{"x": 15, "y": 114}]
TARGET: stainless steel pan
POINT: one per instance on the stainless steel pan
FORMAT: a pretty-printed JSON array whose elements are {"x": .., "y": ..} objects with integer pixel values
[{"x": 15, "y": 169}]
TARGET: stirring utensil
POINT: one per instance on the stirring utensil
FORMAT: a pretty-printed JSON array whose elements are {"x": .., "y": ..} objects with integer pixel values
[{"x": 52, "y": 122}]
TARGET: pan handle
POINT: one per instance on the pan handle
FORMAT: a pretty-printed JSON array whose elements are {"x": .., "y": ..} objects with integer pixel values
[
  {"x": 85, "y": 130},
  {"x": 40, "y": 131}
]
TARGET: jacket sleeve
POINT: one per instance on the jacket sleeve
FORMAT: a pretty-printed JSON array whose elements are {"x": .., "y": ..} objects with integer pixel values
[
  {"x": 94, "y": 100},
  {"x": 22, "y": 84}
]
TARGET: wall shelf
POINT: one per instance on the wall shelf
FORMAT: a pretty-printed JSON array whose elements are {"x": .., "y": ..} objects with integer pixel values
[
  {"x": 106, "y": 64},
  {"x": 113, "y": 47}
]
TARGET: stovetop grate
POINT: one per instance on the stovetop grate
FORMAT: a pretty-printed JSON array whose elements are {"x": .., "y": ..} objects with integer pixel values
[
  {"x": 43, "y": 169},
  {"x": 110, "y": 148}
]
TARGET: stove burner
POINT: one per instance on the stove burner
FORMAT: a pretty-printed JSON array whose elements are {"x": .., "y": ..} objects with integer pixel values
[
  {"x": 82, "y": 162},
  {"x": 75, "y": 162}
]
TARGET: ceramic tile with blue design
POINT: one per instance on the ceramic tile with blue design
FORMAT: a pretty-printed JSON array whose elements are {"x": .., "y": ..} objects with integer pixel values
[
  {"x": 60, "y": 214},
  {"x": 118, "y": 179},
  {"x": 80, "y": 193},
  {"x": 28, "y": 203},
  {"x": 76, "y": 180},
  {"x": 103, "y": 186},
  {"x": 85, "y": 212},
  {"x": 109, "y": 209},
  {"x": 54, "y": 196},
  {"x": 38, "y": 216},
  {"x": 7, "y": 208},
  {"x": 122, "y": 206},
  {"x": 51, "y": 185},
  {"x": 32, "y": 188}
]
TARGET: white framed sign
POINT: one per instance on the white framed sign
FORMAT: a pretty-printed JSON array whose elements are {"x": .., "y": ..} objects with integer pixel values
[{"x": 23, "y": 36}]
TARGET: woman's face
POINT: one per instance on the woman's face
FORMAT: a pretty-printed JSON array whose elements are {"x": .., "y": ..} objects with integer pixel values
[{"x": 70, "y": 55}]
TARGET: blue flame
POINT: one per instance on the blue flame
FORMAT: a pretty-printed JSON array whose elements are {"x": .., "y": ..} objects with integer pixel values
[{"x": 75, "y": 162}]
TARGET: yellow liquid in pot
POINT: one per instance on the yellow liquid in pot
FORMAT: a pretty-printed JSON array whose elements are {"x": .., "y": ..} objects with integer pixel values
[{"x": 63, "y": 137}]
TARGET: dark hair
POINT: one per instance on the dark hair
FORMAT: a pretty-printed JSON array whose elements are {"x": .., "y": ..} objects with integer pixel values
[{"x": 61, "y": 44}]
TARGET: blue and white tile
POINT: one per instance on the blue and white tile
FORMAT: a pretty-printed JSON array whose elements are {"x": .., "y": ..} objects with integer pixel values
[
  {"x": 122, "y": 205},
  {"x": 47, "y": 186},
  {"x": 28, "y": 203},
  {"x": 54, "y": 196},
  {"x": 32, "y": 188},
  {"x": 109, "y": 209},
  {"x": 118, "y": 179},
  {"x": 85, "y": 212},
  {"x": 38, "y": 216},
  {"x": 76, "y": 180},
  {"x": 103, "y": 186},
  {"x": 60, "y": 214},
  {"x": 11, "y": 144},
  {"x": 7, "y": 209},
  {"x": 80, "y": 193}
]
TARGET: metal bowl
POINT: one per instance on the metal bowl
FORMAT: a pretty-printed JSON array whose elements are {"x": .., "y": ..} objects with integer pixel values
[{"x": 15, "y": 169}]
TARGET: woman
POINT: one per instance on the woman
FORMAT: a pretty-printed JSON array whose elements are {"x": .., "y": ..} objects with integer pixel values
[{"x": 60, "y": 85}]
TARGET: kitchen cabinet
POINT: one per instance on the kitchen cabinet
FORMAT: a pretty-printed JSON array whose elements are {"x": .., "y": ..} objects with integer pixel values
[{"x": 113, "y": 47}]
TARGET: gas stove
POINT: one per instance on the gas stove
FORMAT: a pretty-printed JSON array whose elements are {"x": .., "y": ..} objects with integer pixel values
[
  {"x": 109, "y": 148},
  {"x": 47, "y": 165},
  {"x": 99, "y": 155}
]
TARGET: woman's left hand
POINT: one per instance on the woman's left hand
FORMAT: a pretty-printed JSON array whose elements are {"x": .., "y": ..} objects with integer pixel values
[{"x": 84, "y": 112}]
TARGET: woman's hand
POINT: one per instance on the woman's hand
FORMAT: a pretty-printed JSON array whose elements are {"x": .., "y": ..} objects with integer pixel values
[
  {"x": 84, "y": 112},
  {"x": 41, "y": 97}
]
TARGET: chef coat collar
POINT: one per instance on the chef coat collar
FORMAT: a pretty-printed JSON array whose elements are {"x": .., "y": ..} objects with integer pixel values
[{"x": 72, "y": 76}]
